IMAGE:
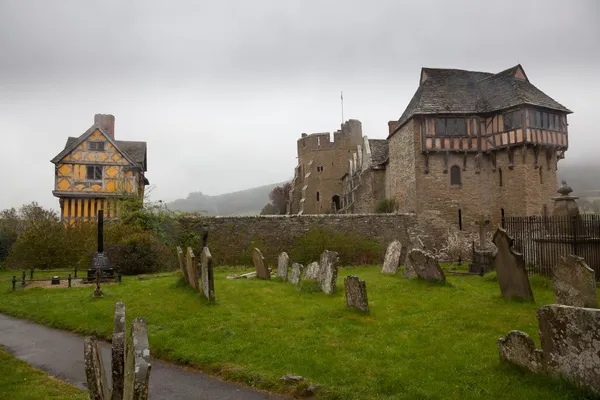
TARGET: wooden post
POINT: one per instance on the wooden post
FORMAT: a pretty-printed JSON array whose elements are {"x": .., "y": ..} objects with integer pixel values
[
  {"x": 69, "y": 279},
  {"x": 31, "y": 274},
  {"x": 76, "y": 272},
  {"x": 14, "y": 282},
  {"x": 23, "y": 278}
]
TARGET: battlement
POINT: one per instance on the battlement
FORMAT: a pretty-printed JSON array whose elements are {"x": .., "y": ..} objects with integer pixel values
[{"x": 349, "y": 135}]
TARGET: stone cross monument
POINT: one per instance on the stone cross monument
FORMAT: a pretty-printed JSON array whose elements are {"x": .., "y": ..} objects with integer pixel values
[{"x": 483, "y": 256}]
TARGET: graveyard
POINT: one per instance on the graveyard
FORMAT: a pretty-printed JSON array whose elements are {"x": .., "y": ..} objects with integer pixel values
[{"x": 419, "y": 339}]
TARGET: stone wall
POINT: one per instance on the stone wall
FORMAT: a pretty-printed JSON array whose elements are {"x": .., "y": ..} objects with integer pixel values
[
  {"x": 401, "y": 179},
  {"x": 231, "y": 239}
]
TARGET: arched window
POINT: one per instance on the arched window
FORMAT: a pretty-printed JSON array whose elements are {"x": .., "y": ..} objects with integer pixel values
[
  {"x": 500, "y": 176},
  {"x": 455, "y": 175},
  {"x": 317, "y": 196}
]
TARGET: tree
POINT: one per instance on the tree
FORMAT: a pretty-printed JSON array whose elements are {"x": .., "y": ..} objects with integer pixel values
[
  {"x": 279, "y": 197},
  {"x": 269, "y": 209}
]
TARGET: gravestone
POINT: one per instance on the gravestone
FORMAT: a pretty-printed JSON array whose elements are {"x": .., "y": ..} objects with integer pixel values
[
  {"x": 409, "y": 269},
  {"x": 208, "y": 279},
  {"x": 312, "y": 270},
  {"x": 356, "y": 293},
  {"x": 137, "y": 363},
  {"x": 510, "y": 268},
  {"x": 192, "y": 269},
  {"x": 328, "y": 271},
  {"x": 296, "y": 274},
  {"x": 483, "y": 256},
  {"x": 282, "y": 266},
  {"x": 570, "y": 338},
  {"x": 118, "y": 352},
  {"x": 392, "y": 258},
  {"x": 130, "y": 362},
  {"x": 182, "y": 264},
  {"x": 575, "y": 283},
  {"x": 259, "y": 263},
  {"x": 425, "y": 265}
]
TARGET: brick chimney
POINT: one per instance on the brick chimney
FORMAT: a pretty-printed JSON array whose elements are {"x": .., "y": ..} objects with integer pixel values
[
  {"x": 392, "y": 126},
  {"x": 107, "y": 122}
]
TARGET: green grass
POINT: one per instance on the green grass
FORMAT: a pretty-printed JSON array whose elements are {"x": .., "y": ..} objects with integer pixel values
[
  {"x": 20, "y": 381},
  {"x": 420, "y": 341}
]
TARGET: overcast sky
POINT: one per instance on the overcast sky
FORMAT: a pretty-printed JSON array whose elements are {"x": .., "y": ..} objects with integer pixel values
[{"x": 221, "y": 90}]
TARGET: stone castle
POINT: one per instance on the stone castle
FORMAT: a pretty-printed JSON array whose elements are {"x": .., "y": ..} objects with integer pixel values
[{"x": 468, "y": 144}]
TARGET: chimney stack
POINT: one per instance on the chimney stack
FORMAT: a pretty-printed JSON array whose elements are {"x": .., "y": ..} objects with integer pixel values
[
  {"x": 107, "y": 122},
  {"x": 392, "y": 126}
]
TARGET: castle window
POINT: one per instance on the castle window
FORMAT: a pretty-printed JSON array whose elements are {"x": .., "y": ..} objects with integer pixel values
[
  {"x": 451, "y": 126},
  {"x": 512, "y": 120},
  {"x": 500, "y": 176},
  {"x": 94, "y": 172},
  {"x": 317, "y": 196},
  {"x": 320, "y": 169},
  {"x": 459, "y": 219},
  {"x": 96, "y": 146},
  {"x": 455, "y": 176}
]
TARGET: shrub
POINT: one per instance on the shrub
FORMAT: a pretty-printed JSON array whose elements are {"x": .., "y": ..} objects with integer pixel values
[{"x": 386, "y": 206}]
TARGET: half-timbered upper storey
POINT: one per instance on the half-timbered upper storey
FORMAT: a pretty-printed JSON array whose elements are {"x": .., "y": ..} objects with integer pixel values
[
  {"x": 95, "y": 170},
  {"x": 480, "y": 111}
]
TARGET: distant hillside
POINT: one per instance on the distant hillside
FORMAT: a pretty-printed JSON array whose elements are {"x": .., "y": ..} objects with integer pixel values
[
  {"x": 244, "y": 202},
  {"x": 583, "y": 178}
]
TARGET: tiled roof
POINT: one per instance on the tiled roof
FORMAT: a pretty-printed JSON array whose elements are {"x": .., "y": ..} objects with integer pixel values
[
  {"x": 135, "y": 150},
  {"x": 454, "y": 91},
  {"x": 379, "y": 151}
]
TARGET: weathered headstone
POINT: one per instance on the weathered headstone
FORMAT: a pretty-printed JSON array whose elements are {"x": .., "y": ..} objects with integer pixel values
[
  {"x": 328, "y": 271},
  {"x": 409, "y": 269},
  {"x": 192, "y": 269},
  {"x": 570, "y": 338},
  {"x": 94, "y": 370},
  {"x": 392, "y": 258},
  {"x": 425, "y": 265},
  {"x": 182, "y": 264},
  {"x": 208, "y": 279},
  {"x": 312, "y": 270},
  {"x": 137, "y": 366},
  {"x": 118, "y": 352},
  {"x": 262, "y": 271},
  {"x": 356, "y": 293},
  {"x": 510, "y": 268},
  {"x": 282, "y": 266},
  {"x": 296, "y": 274},
  {"x": 575, "y": 283}
]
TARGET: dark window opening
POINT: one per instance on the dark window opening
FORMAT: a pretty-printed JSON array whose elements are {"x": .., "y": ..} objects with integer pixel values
[
  {"x": 455, "y": 175},
  {"x": 94, "y": 172},
  {"x": 500, "y": 176},
  {"x": 318, "y": 196},
  {"x": 96, "y": 146},
  {"x": 336, "y": 202},
  {"x": 502, "y": 217},
  {"x": 459, "y": 219},
  {"x": 541, "y": 177},
  {"x": 512, "y": 120},
  {"x": 451, "y": 126}
]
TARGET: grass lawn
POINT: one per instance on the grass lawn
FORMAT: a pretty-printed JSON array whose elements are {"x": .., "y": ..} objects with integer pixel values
[
  {"x": 420, "y": 341},
  {"x": 20, "y": 381}
]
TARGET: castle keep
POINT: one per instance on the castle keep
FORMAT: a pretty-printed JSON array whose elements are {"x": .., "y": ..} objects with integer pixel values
[{"x": 468, "y": 143}]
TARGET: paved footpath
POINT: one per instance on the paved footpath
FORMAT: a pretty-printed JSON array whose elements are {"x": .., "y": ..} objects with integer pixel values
[{"x": 61, "y": 354}]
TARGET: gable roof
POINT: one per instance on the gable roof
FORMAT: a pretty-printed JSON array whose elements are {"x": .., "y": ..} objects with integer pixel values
[
  {"x": 133, "y": 151},
  {"x": 379, "y": 151},
  {"x": 455, "y": 91}
]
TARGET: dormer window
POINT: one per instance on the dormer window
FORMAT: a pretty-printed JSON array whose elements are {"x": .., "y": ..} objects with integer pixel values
[
  {"x": 94, "y": 173},
  {"x": 96, "y": 146},
  {"x": 451, "y": 126}
]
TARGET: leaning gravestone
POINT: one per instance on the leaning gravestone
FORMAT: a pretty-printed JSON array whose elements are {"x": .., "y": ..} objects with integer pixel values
[
  {"x": 296, "y": 274},
  {"x": 130, "y": 362},
  {"x": 282, "y": 266},
  {"x": 182, "y": 264},
  {"x": 328, "y": 271},
  {"x": 312, "y": 270},
  {"x": 356, "y": 293},
  {"x": 510, "y": 268},
  {"x": 425, "y": 265},
  {"x": 575, "y": 283},
  {"x": 259, "y": 263},
  {"x": 208, "y": 279},
  {"x": 570, "y": 338},
  {"x": 192, "y": 269},
  {"x": 392, "y": 258},
  {"x": 409, "y": 269}
]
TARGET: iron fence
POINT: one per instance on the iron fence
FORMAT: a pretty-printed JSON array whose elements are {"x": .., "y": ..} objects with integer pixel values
[{"x": 544, "y": 239}]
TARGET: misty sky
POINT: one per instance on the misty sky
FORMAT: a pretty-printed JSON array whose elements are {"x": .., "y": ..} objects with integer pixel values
[{"x": 221, "y": 90}]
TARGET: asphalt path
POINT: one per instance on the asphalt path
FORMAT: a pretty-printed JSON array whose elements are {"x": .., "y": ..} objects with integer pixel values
[{"x": 61, "y": 354}]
